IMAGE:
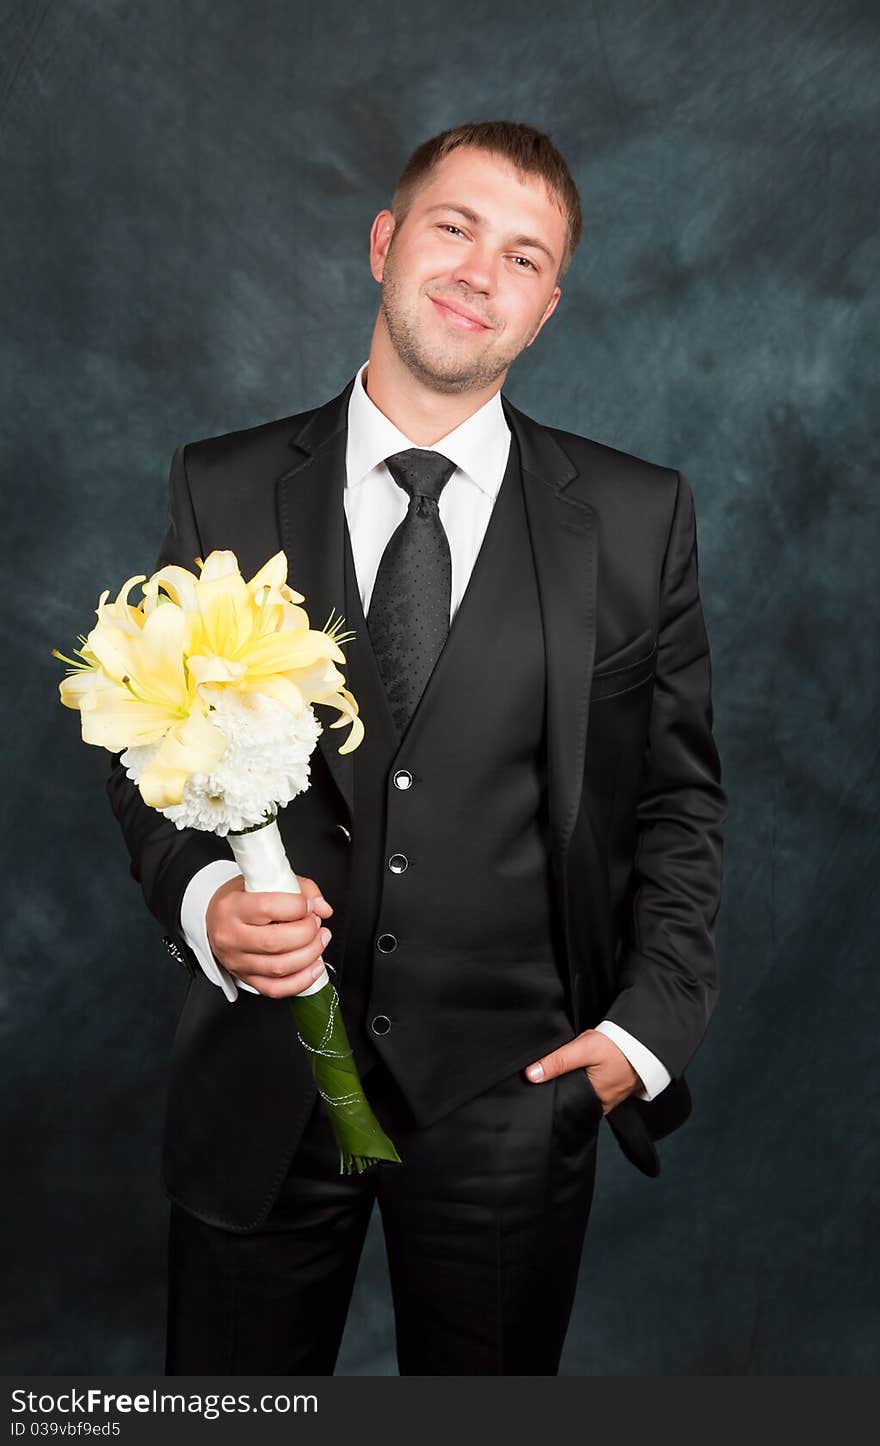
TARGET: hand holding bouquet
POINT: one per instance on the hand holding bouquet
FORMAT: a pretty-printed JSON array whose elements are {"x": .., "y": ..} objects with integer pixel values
[{"x": 205, "y": 688}]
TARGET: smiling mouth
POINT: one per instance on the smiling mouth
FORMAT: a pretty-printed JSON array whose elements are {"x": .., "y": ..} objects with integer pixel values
[{"x": 456, "y": 319}]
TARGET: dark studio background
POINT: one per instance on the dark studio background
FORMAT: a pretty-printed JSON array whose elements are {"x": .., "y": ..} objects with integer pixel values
[{"x": 187, "y": 191}]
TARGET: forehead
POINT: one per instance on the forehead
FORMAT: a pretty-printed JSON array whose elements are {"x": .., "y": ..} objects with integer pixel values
[{"x": 491, "y": 186}]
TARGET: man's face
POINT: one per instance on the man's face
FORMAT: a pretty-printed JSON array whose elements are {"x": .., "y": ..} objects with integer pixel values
[{"x": 472, "y": 239}]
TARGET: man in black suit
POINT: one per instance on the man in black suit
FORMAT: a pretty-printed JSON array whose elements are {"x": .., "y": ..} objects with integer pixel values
[{"x": 521, "y": 861}]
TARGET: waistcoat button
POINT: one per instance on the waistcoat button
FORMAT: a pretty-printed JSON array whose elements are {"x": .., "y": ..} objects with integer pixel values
[
  {"x": 381, "y": 1024},
  {"x": 344, "y": 831},
  {"x": 403, "y": 778},
  {"x": 386, "y": 943},
  {"x": 397, "y": 863}
]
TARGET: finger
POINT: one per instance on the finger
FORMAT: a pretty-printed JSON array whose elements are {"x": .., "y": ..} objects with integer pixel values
[
  {"x": 272, "y": 941},
  {"x": 236, "y": 937},
  {"x": 560, "y": 1061},
  {"x": 284, "y": 988},
  {"x": 282, "y": 966},
  {"x": 316, "y": 899},
  {"x": 272, "y": 908}
]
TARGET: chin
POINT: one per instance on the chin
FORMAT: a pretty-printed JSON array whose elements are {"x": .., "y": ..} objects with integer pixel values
[
  {"x": 447, "y": 377},
  {"x": 439, "y": 369}
]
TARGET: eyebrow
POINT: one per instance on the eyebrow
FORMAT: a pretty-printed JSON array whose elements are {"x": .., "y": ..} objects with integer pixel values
[{"x": 476, "y": 220}]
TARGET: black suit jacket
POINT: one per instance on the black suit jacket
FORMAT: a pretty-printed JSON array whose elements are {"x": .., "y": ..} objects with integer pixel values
[{"x": 635, "y": 799}]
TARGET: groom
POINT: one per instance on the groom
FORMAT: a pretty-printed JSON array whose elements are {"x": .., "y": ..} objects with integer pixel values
[{"x": 520, "y": 866}]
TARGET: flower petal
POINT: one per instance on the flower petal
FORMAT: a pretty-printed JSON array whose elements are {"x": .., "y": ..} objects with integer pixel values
[
  {"x": 286, "y": 651},
  {"x": 77, "y": 686},
  {"x": 220, "y": 564},
  {"x": 348, "y": 710},
  {"x": 274, "y": 575},
  {"x": 113, "y": 719},
  {"x": 223, "y": 603},
  {"x": 278, "y": 687},
  {"x": 178, "y": 582},
  {"x": 196, "y": 746},
  {"x": 208, "y": 668}
]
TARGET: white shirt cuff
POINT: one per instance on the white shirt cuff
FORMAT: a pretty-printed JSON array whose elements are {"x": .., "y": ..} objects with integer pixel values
[
  {"x": 193, "y": 911},
  {"x": 654, "y": 1074}
]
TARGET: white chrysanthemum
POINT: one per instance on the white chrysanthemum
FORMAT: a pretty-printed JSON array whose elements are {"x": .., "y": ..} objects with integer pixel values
[{"x": 265, "y": 765}]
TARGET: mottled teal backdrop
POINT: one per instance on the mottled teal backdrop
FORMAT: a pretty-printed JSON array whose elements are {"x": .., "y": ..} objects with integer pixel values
[{"x": 185, "y": 199}]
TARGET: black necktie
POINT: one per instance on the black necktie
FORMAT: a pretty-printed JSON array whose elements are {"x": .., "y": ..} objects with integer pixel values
[{"x": 409, "y": 607}]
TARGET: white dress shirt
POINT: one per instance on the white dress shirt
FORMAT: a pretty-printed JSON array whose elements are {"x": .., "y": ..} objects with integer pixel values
[{"x": 374, "y": 506}]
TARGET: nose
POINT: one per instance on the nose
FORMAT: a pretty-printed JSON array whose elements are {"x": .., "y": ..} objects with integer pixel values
[{"x": 476, "y": 270}]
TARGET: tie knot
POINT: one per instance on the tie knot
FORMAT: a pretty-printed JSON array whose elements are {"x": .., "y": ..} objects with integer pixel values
[{"x": 419, "y": 472}]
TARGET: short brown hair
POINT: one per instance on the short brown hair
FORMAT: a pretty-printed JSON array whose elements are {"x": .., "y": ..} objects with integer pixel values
[{"x": 530, "y": 151}]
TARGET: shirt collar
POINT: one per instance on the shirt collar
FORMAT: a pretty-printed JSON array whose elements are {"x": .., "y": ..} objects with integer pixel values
[{"x": 478, "y": 446}]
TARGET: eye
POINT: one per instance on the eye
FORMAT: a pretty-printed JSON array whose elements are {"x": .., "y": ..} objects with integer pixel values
[{"x": 450, "y": 226}]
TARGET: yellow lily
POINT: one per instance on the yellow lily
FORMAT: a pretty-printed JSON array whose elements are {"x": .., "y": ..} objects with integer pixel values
[
  {"x": 256, "y": 639},
  {"x": 147, "y": 674}
]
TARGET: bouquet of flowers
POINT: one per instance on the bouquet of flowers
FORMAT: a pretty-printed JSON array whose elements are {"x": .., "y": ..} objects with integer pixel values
[{"x": 205, "y": 688}]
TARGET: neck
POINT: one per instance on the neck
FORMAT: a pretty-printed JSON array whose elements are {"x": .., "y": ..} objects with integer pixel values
[{"x": 422, "y": 414}]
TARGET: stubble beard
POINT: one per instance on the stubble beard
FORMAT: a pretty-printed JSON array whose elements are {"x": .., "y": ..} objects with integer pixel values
[{"x": 449, "y": 370}]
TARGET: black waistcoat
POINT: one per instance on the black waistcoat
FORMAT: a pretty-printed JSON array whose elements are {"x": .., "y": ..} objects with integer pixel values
[{"x": 451, "y": 968}]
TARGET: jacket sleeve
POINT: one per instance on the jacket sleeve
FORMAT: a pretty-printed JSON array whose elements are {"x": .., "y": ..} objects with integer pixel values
[
  {"x": 164, "y": 858},
  {"x": 667, "y": 970}
]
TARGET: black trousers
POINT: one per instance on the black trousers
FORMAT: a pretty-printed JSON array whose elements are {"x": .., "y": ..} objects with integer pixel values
[{"x": 484, "y": 1226}]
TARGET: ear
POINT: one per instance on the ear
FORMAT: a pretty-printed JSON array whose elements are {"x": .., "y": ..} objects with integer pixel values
[
  {"x": 381, "y": 232},
  {"x": 548, "y": 312}
]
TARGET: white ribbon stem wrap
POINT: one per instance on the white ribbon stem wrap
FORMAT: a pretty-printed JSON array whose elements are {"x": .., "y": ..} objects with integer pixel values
[{"x": 261, "y": 857}]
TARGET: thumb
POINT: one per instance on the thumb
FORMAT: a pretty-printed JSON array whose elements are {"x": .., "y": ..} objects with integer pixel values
[
  {"x": 548, "y": 1067},
  {"x": 560, "y": 1061}
]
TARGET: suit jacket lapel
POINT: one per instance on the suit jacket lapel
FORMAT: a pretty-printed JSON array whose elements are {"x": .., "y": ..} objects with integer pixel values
[
  {"x": 311, "y": 524},
  {"x": 564, "y": 533}
]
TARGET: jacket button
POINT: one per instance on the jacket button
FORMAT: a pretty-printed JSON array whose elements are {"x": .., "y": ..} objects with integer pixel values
[
  {"x": 397, "y": 863},
  {"x": 380, "y": 1024},
  {"x": 403, "y": 778},
  {"x": 344, "y": 831},
  {"x": 386, "y": 943}
]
